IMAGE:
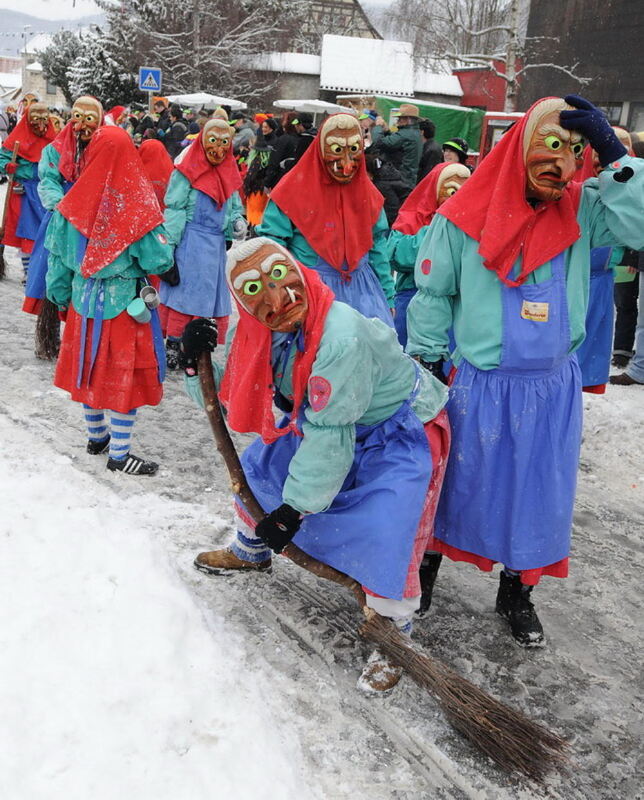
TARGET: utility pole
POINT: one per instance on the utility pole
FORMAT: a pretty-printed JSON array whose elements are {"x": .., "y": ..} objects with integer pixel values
[
  {"x": 196, "y": 44},
  {"x": 511, "y": 52}
]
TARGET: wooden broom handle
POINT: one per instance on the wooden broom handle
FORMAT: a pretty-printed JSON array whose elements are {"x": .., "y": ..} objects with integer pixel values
[
  {"x": 241, "y": 488},
  {"x": 10, "y": 180}
]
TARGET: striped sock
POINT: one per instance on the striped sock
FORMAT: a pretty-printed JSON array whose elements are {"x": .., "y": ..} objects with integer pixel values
[
  {"x": 122, "y": 426},
  {"x": 24, "y": 257},
  {"x": 96, "y": 425},
  {"x": 247, "y": 546}
]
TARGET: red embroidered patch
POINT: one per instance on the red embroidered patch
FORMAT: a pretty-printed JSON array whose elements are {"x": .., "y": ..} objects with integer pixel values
[
  {"x": 425, "y": 266},
  {"x": 616, "y": 165},
  {"x": 319, "y": 392},
  {"x": 162, "y": 238}
]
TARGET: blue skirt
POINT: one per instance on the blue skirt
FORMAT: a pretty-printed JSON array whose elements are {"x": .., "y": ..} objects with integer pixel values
[
  {"x": 511, "y": 476},
  {"x": 359, "y": 289},
  {"x": 368, "y": 532},
  {"x": 31, "y": 211},
  {"x": 595, "y": 351},
  {"x": 38, "y": 262}
]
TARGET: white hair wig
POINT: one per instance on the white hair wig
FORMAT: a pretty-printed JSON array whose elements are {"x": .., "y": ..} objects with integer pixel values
[{"x": 243, "y": 250}]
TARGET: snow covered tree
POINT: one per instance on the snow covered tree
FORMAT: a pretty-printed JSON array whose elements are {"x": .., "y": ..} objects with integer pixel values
[{"x": 58, "y": 58}]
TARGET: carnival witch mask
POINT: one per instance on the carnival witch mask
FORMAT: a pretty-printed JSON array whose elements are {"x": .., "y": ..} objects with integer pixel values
[
  {"x": 216, "y": 138},
  {"x": 342, "y": 147},
  {"x": 38, "y": 117},
  {"x": 450, "y": 181},
  {"x": 551, "y": 152},
  {"x": 267, "y": 282},
  {"x": 87, "y": 115}
]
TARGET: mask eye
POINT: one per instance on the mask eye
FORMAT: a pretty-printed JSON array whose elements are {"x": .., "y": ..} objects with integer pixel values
[
  {"x": 279, "y": 271},
  {"x": 252, "y": 288},
  {"x": 578, "y": 149},
  {"x": 554, "y": 143},
  {"x": 355, "y": 148},
  {"x": 77, "y": 115},
  {"x": 212, "y": 140},
  {"x": 450, "y": 191},
  {"x": 335, "y": 149},
  {"x": 224, "y": 142}
]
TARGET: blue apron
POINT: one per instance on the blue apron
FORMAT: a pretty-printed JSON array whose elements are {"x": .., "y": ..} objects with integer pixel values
[
  {"x": 31, "y": 210},
  {"x": 359, "y": 289},
  {"x": 369, "y": 530},
  {"x": 401, "y": 302},
  {"x": 516, "y": 433},
  {"x": 37, "y": 276},
  {"x": 595, "y": 351},
  {"x": 201, "y": 259}
]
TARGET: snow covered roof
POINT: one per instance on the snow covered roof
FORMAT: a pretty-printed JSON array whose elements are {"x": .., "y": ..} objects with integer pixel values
[
  {"x": 10, "y": 80},
  {"x": 35, "y": 66},
  {"x": 350, "y": 64},
  {"x": 297, "y": 63},
  {"x": 437, "y": 83}
]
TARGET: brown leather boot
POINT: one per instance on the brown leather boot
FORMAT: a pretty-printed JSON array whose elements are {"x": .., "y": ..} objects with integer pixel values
[
  {"x": 624, "y": 379},
  {"x": 379, "y": 674},
  {"x": 221, "y": 562}
]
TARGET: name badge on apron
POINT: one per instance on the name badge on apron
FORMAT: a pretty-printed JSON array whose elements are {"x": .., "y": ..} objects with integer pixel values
[{"x": 537, "y": 312}]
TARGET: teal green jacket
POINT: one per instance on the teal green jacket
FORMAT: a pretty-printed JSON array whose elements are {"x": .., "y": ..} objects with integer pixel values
[
  {"x": 408, "y": 142},
  {"x": 26, "y": 170},
  {"x": 403, "y": 252},
  {"x": 276, "y": 225},
  {"x": 460, "y": 291},
  {"x": 180, "y": 199},
  {"x": 370, "y": 378},
  {"x": 50, "y": 188},
  {"x": 149, "y": 255}
]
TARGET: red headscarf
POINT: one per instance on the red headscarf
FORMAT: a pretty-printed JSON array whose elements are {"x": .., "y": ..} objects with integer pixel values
[
  {"x": 111, "y": 116},
  {"x": 158, "y": 167},
  {"x": 112, "y": 203},
  {"x": 421, "y": 205},
  {"x": 492, "y": 208},
  {"x": 246, "y": 389},
  {"x": 335, "y": 219},
  {"x": 67, "y": 143},
  {"x": 31, "y": 146},
  {"x": 218, "y": 182}
]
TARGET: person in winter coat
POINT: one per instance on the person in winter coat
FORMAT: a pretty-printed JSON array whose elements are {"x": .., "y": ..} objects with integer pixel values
[
  {"x": 406, "y": 142},
  {"x": 432, "y": 153},
  {"x": 352, "y": 473},
  {"x": 255, "y": 187},
  {"x": 25, "y": 212},
  {"x": 283, "y": 155},
  {"x": 105, "y": 237},
  {"x": 306, "y": 133},
  {"x": 505, "y": 262},
  {"x": 388, "y": 181},
  {"x": 411, "y": 226},
  {"x": 203, "y": 210},
  {"x": 634, "y": 373},
  {"x": 455, "y": 150},
  {"x": 176, "y": 133},
  {"x": 4, "y": 123},
  {"x": 163, "y": 118},
  {"x": 330, "y": 216}
]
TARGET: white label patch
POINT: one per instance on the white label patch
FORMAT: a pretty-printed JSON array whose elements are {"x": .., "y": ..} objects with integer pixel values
[{"x": 537, "y": 312}]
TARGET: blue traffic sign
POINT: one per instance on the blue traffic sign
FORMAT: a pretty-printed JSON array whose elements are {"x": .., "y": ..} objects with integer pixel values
[{"x": 149, "y": 79}]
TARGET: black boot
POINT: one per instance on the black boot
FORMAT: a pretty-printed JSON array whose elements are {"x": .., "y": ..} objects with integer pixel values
[
  {"x": 172, "y": 353},
  {"x": 95, "y": 448},
  {"x": 132, "y": 465},
  {"x": 513, "y": 603},
  {"x": 427, "y": 573}
]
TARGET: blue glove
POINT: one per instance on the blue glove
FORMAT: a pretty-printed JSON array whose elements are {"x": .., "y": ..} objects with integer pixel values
[{"x": 594, "y": 127}]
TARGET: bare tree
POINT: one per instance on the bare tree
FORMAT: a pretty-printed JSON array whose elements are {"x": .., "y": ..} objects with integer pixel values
[{"x": 485, "y": 33}]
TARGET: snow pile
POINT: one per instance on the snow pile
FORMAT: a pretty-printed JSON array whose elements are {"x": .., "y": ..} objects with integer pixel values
[{"x": 111, "y": 684}]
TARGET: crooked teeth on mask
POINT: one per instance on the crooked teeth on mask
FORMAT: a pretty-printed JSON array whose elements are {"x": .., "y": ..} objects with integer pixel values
[{"x": 290, "y": 293}]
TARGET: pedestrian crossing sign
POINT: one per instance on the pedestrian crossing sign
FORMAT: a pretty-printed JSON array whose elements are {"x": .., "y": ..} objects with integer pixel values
[{"x": 149, "y": 79}]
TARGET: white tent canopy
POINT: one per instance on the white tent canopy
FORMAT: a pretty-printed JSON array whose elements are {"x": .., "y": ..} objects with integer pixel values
[
  {"x": 205, "y": 99},
  {"x": 312, "y": 106}
]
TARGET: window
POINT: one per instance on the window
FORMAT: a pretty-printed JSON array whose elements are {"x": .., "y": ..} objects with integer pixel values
[
  {"x": 612, "y": 110},
  {"x": 636, "y": 119},
  {"x": 51, "y": 88}
]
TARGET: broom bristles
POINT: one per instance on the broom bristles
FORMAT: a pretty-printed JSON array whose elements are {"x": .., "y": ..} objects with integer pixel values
[
  {"x": 506, "y": 735},
  {"x": 47, "y": 331}
]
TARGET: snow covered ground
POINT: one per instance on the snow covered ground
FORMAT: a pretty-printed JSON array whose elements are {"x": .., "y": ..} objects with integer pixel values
[{"x": 125, "y": 673}]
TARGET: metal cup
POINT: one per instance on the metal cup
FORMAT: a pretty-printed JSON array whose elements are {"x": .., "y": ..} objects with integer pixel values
[
  {"x": 138, "y": 310},
  {"x": 150, "y": 296}
]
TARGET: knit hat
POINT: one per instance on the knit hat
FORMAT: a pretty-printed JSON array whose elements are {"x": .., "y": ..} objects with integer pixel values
[{"x": 458, "y": 146}]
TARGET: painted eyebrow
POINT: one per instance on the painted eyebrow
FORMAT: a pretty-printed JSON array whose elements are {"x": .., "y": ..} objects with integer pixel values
[
  {"x": 249, "y": 275},
  {"x": 557, "y": 130},
  {"x": 268, "y": 262}
]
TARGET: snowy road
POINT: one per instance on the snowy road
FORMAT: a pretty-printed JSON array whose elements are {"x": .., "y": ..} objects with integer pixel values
[{"x": 123, "y": 672}]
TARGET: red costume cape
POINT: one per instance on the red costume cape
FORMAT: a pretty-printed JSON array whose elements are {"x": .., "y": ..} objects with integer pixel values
[
  {"x": 247, "y": 386},
  {"x": 218, "y": 182},
  {"x": 335, "y": 219},
  {"x": 421, "y": 205},
  {"x": 66, "y": 144},
  {"x": 158, "y": 166},
  {"x": 492, "y": 208},
  {"x": 31, "y": 146},
  {"x": 112, "y": 203}
]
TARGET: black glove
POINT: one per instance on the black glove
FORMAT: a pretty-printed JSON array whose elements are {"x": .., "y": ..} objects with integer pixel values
[
  {"x": 279, "y": 527},
  {"x": 199, "y": 336},
  {"x": 591, "y": 122},
  {"x": 436, "y": 368},
  {"x": 171, "y": 276}
]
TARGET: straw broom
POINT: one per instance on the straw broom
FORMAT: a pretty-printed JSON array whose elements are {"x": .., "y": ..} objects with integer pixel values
[
  {"x": 47, "y": 331},
  {"x": 507, "y": 736}
]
